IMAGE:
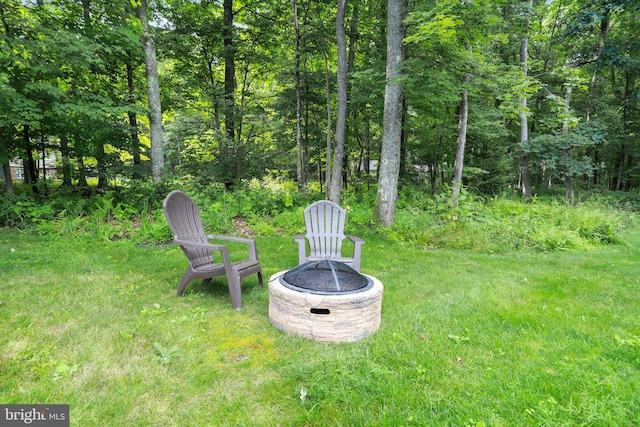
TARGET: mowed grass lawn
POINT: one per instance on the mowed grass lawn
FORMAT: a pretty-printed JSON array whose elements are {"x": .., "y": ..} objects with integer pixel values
[{"x": 467, "y": 339}]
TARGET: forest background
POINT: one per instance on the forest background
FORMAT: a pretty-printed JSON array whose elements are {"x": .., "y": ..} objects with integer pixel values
[{"x": 496, "y": 97}]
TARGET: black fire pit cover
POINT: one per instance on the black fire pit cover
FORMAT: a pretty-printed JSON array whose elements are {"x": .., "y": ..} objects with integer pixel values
[{"x": 326, "y": 278}]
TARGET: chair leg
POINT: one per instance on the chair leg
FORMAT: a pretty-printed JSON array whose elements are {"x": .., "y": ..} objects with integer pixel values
[
  {"x": 186, "y": 278},
  {"x": 235, "y": 290},
  {"x": 260, "y": 279}
]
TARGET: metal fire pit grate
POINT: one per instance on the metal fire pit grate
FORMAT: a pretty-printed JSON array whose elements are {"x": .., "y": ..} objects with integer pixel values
[{"x": 326, "y": 278}]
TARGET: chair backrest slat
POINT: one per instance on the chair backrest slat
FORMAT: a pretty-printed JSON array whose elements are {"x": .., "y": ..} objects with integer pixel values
[
  {"x": 183, "y": 216},
  {"x": 325, "y": 228}
]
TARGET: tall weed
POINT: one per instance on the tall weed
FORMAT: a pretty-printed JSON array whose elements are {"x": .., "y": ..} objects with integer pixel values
[
  {"x": 274, "y": 207},
  {"x": 504, "y": 224}
]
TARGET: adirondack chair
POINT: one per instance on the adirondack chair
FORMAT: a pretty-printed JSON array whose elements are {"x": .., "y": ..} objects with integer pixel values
[
  {"x": 183, "y": 217},
  {"x": 324, "y": 221}
]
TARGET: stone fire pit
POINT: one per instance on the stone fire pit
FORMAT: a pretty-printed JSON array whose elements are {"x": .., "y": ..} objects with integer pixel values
[{"x": 325, "y": 301}]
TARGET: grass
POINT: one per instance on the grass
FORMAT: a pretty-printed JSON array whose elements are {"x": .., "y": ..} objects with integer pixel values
[{"x": 467, "y": 339}]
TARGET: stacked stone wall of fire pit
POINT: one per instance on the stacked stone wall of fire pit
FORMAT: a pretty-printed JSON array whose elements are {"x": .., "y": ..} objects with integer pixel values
[{"x": 338, "y": 318}]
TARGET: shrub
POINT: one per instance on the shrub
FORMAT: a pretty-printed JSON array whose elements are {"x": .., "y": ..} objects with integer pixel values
[{"x": 273, "y": 206}]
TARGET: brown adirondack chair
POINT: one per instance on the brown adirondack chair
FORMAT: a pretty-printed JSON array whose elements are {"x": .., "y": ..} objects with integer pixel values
[
  {"x": 183, "y": 217},
  {"x": 325, "y": 221}
]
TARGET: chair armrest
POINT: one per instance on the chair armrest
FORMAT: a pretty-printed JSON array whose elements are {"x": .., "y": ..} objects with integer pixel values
[
  {"x": 253, "y": 251},
  {"x": 199, "y": 245},
  {"x": 357, "y": 251},
  {"x": 302, "y": 248},
  {"x": 230, "y": 238},
  {"x": 355, "y": 239}
]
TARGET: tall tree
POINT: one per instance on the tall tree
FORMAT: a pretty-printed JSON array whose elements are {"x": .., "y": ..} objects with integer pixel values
[
  {"x": 392, "y": 124},
  {"x": 153, "y": 94},
  {"x": 300, "y": 170},
  {"x": 523, "y": 111},
  {"x": 333, "y": 192},
  {"x": 329, "y": 135},
  {"x": 458, "y": 165},
  {"x": 230, "y": 160}
]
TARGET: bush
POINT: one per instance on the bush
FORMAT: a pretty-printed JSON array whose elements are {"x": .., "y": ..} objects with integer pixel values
[{"x": 274, "y": 206}]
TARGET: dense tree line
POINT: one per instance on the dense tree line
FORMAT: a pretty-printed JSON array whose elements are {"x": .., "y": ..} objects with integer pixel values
[{"x": 495, "y": 95}]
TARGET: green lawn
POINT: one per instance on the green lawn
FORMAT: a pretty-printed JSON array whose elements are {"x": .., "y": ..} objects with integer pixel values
[{"x": 467, "y": 339}]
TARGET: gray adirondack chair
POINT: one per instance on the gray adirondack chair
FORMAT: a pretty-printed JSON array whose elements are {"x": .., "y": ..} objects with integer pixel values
[
  {"x": 183, "y": 217},
  {"x": 324, "y": 222}
]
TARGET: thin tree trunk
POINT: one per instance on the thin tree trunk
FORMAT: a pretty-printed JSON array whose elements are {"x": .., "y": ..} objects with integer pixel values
[
  {"x": 403, "y": 145},
  {"x": 392, "y": 118},
  {"x": 229, "y": 95},
  {"x": 30, "y": 168},
  {"x": 620, "y": 171},
  {"x": 153, "y": 93},
  {"x": 327, "y": 171},
  {"x": 367, "y": 147},
  {"x": 299, "y": 150},
  {"x": 103, "y": 184},
  {"x": 229, "y": 70},
  {"x": 66, "y": 161},
  {"x": 524, "y": 124},
  {"x": 133, "y": 120},
  {"x": 341, "y": 119},
  {"x": 568, "y": 179},
  {"x": 353, "y": 38},
  {"x": 8, "y": 181},
  {"x": 6, "y": 168},
  {"x": 212, "y": 83},
  {"x": 82, "y": 176},
  {"x": 460, "y": 145},
  {"x": 44, "y": 156},
  {"x": 133, "y": 123}
]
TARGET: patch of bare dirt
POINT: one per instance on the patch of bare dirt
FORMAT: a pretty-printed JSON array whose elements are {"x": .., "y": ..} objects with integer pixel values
[{"x": 240, "y": 226}]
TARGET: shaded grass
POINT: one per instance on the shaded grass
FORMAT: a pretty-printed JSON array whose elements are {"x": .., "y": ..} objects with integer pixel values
[{"x": 467, "y": 339}]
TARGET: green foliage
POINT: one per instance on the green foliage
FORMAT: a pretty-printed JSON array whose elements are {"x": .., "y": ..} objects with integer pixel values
[
  {"x": 17, "y": 210},
  {"x": 274, "y": 207},
  {"x": 503, "y": 224},
  {"x": 561, "y": 154},
  {"x": 164, "y": 355}
]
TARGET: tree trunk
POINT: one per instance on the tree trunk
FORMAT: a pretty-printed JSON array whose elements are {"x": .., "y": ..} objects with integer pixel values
[
  {"x": 620, "y": 171},
  {"x": 229, "y": 96},
  {"x": 626, "y": 98},
  {"x": 133, "y": 123},
  {"x": 341, "y": 119},
  {"x": 8, "y": 181},
  {"x": 43, "y": 148},
  {"x": 327, "y": 171},
  {"x": 392, "y": 118},
  {"x": 6, "y": 168},
  {"x": 299, "y": 151},
  {"x": 103, "y": 184},
  {"x": 153, "y": 93},
  {"x": 229, "y": 70},
  {"x": 461, "y": 142},
  {"x": 133, "y": 120},
  {"x": 568, "y": 175},
  {"x": 211, "y": 74},
  {"x": 29, "y": 164},
  {"x": 403, "y": 145},
  {"x": 66, "y": 161},
  {"x": 82, "y": 176},
  {"x": 524, "y": 125}
]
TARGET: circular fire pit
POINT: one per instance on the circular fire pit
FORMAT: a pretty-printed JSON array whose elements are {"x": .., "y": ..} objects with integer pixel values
[{"x": 325, "y": 301}]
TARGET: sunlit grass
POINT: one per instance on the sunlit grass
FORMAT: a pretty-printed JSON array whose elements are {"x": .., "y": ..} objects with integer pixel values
[{"x": 467, "y": 339}]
